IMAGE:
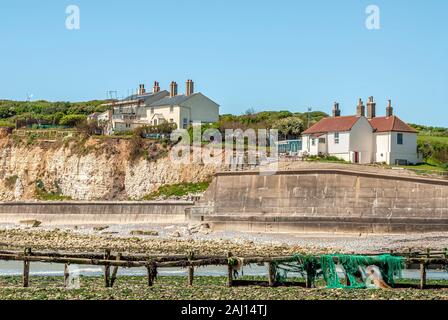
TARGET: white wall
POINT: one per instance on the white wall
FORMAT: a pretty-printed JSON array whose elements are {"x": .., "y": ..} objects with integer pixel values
[
  {"x": 202, "y": 109},
  {"x": 406, "y": 151},
  {"x": 388, "y": 151},
  {"x": 166, "y": 111},
  {"x": 361, "y": 141},
  {"x": 382, "y": 147},
  {"x": 338, "y": 148}
]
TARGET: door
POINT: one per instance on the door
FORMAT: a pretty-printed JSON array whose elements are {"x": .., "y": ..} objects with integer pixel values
[{"x": 356, "y": 157}]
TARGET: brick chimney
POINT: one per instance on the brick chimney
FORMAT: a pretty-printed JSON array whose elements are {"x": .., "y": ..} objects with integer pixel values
[
  {"x": 360, "y": 109},
  {"x": 156, "y": 87},
  {"x": 173, "y": 89},
  {"x": 336, "y": 110},
  {"x": 141, "y": 89},
  {"x": 389, "y": 109},
  {"x": 371, "y": 108},
  {"x": 190, "y": 87}
]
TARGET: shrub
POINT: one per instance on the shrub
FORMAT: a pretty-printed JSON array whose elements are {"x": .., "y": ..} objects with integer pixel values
[
  {"x": 178, "y": 190},
  {"x": 10, "y": 182},
  {"x": 72, "y": 120}
]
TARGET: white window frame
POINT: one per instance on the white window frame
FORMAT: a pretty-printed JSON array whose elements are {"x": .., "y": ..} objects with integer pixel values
[{"x": 336, "y": 138}]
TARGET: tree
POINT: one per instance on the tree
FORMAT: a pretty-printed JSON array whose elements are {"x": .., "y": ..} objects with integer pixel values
[
  {"x": 291, "y": 126},
  {"x": 72, "y": 120}
]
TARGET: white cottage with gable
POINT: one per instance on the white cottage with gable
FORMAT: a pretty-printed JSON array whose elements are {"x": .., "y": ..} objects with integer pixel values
[
  {"x": 363, "y": 138},
  {"x": 161, "y": 106}
]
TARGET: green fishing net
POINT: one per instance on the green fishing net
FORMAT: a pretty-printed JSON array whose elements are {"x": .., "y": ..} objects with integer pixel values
[
  {"x": 354, "y": 269},
  {"x": 355, "y": 265}
]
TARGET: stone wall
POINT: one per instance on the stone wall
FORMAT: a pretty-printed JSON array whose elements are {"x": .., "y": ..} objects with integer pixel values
[
  {"x": 94, "y": 212},
  {"x": 326, "y": 200}
]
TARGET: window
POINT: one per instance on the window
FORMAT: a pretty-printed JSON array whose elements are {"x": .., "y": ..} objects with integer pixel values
[
  {"x": 185, "y": 123},
  {"x": 152, "y": 110},
  {"x": 321, "y": 140},
  {"x": 399, "y": 138},
  {"x": 313, "y": 142},
  {"x": 171, "y": 109},
  {"x": 336, "y": 138}
]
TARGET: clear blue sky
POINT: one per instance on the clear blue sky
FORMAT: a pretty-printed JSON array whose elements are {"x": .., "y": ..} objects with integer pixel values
[{"x": 263, "y": 54}]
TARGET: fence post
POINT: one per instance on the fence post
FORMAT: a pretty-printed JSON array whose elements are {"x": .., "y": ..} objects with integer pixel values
[
  {"x": 66, "y": 275},
  {"x": 26, "y": 269},
  {"x": 115, "y": 271},
  {"x": 190, "y": 269},
  {"x": 229, "y": 270},
  {"x": 107, "y": 269},
  {"x": 422, "y": 275},
  {"x": 272, "y": 274},
  {"x": 152, "y": 272}
]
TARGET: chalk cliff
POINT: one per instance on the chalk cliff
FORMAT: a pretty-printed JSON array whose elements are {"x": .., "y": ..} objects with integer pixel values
[{"x": 92, "y": 170}]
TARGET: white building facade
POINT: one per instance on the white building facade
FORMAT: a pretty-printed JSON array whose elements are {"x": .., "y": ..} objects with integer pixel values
[
  {"x": 363, "y": 138},
  {"x": 157, "y": 107}
]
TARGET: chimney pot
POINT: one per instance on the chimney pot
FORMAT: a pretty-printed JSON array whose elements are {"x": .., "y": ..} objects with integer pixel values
[
  {"x": 190, "y": 87},
  {"x": 141, "y": 90},
  {"x": 156, "y": 87},
  {"x": 360, "y": 109},
  {"x": 389, "y": 109},
  {"x": 336, "y": 110},
  {"x": 173, "y": 89},
  {"x": 371, "y": 108}
]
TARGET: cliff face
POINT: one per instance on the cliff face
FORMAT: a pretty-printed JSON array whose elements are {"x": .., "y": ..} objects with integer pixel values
[{"x": 99, "y": 171}]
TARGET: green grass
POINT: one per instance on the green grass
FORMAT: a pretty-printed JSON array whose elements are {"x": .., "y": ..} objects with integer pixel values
[
  {"x": 443, "y": 140},
  {"x": 428, "y": 167},
  {"x": 326, "y": 159},
  {"x": 210, "y": 288},
  {"x": 177, "y": 190}
]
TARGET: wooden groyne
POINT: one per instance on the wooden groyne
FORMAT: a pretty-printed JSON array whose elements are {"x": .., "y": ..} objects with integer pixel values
[{"x": 113, "y": 261}]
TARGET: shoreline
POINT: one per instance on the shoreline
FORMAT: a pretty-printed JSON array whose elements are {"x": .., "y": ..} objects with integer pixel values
[
  {"x": 209, "y": 288},
  {"x": 182, "y": 238}
]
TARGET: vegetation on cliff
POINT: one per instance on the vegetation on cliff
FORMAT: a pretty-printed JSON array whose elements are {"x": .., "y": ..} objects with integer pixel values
[
  {"x": 177, "y": 190},
  {"x": 53, "y": 113}
]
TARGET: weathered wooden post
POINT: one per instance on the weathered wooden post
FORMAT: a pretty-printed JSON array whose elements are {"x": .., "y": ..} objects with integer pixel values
[
  {"x": 66, "y": 275},
  {"x": 190, "y": 268},
  {"x": 422, "y": 275},
  {"x": 152, "y": 272},
  {"x": 107, "y": 269},
  {"x": 229, "y": 270},
  {"x": 26, "y": 269},
  {"x": 272, "y": 270},
  {"x": 115, "y": 271}
]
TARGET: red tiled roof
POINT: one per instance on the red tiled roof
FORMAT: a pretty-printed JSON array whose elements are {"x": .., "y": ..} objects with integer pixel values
[
  {"x": 335, "y": 124},
  {"x": 387, "y": 124},
  {"x": 341, "y": 124}
]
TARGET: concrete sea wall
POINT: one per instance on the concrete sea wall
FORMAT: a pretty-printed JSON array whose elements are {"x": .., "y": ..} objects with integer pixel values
[
  {"x": 74, "y": 212},
  {"x": 323, "y": 200}
]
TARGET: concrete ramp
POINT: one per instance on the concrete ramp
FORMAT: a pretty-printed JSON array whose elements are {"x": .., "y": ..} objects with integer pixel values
[{"x": 325, "y": 200}]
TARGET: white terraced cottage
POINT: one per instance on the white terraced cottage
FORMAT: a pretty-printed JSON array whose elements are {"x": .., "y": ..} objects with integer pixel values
[
  {"x": 363, "y": 138},
  {"x": 160, "y": 107}
]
